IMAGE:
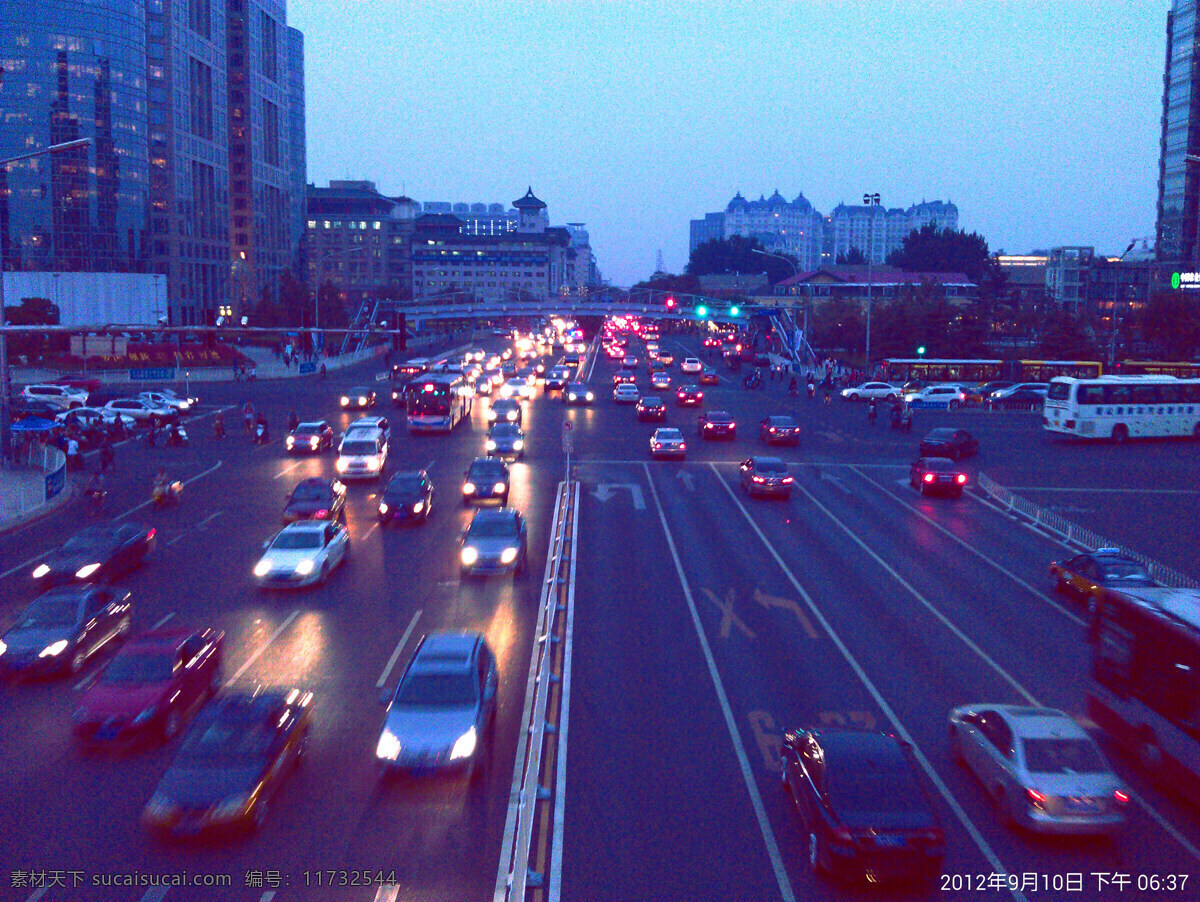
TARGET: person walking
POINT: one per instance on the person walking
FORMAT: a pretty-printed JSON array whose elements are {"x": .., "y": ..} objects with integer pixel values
[{"x": 106, "y": 454}]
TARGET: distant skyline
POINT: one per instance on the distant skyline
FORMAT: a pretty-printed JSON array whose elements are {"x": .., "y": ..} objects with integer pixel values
[{"x": 1040, "y": 121}]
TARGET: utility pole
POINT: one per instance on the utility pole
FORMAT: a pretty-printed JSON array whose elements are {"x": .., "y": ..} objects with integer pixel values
[{"x": 870, "y": 201}]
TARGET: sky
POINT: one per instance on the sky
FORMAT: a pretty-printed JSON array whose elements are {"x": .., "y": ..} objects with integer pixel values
[{"x": 1039, "y": 119}]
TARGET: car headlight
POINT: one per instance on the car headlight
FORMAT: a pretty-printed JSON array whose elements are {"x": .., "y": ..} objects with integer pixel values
[
  {"x": 464, "y": 746},
  {"x": 305, "y": 567},
  {"x": 345, "y": 400},
  {"x": 231, "y": 807},
  {"x": 388, "y": 747},
  {"x": 571, "y": 395},
  {"x": 468, "y": 488},
  {"x": 418, "y": 507},
  {"x": 54, "y": 648},
  {"x": 341, "y": 465},
  {"x": 499, "y": 487},
  {"x": 40, "y": 570},
  {"x": 3, "y": 647},
  {"x": 469, "y": 555},
  {"x": 362, "y": 400},
  {"x": 184, "y": 405},
  {"x": 508, "y": 555},
  {"x": 372, "y": 463},
  {"x": 314, "y": 441},
  {"x": 519, "y": 444},
  {"x": 86, "y": 571},
  {"x": 263, "y": 567},
  {"x": 160, "y": 805},
  {"x": 145, "y": 715},
  {"x": 290, "y": 442},
  {"x": 512, "y": 415},
  {"x": 590, "y": 396},
  {"x": 383, "y": 508},
  {"x": 491, "y": 445}
]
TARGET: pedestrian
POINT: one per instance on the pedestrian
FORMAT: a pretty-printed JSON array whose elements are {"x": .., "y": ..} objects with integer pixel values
[
  {"x": 106, "y": 454},
  {"x": 253, "y": 372},
  {"x": 74, "y": 458}
]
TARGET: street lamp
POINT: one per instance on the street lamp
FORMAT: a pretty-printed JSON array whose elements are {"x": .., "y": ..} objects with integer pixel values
[
  {"x": 5, "y": 408},
  {"x": 870, "y": 201}
]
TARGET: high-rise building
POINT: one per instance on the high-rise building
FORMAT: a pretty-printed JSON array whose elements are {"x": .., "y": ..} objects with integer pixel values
[
  {"x": 878, "y": 231},
  {"x": 1179, "y": 178}
]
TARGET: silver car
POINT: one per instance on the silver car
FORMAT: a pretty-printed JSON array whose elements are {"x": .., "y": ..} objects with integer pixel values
[
  {"x": 495, "y": 542},
  {"x": 506, "y": 441},
  {"x": 442, "y": 711},
  {"x": 1041, "y": 769}
]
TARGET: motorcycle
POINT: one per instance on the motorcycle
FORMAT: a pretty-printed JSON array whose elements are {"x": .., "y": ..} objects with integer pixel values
[
  {"x": 872, "y": 415},
  {"x": 177, "y": 437},
  {"x": 812, "y": 391},
  {"x": 260, "y": 436},
  {"x": 897, "y": 420},
  {"x": 166, "y": 494},
  {"x": 219, "y": 429}
]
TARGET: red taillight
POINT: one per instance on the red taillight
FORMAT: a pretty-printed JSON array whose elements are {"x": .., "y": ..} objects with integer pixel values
[
  {"x": 962, "y": 478},
  {"x": 708, "y": 425},
  {"x": 929, "y": 477},
  {"x": 787, "y": 480},
  {"x": 1120, "y": 797},
  {"x": 657, "y": 445},
  {"x": 1036, "y": 799},
  {"x": 322, "y": 513},
  {"x": 759, "y": 479},
  {"x": 771, "y": 430},
  {"x": 683, "y": 446},
  {"x": 151, "y": 534}
]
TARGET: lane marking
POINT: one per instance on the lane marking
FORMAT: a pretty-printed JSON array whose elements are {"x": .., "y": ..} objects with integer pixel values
[
  {"x": 156, "y": 894},
  {"x": 975, "y": 551},
  {"x": 208, "y": 519},
  {"x": 287, "y": 470},
  {"x": 391, "y": 662},
  {"x": 37, "y": 894},
  {"x": 387, "y": 893},
  {"x": 988, "y": 502},
  {"x": 149, "y": 502},
  {"x": 374, "y": 527},
  {"x": 1093, "y": 490},
  {"x": 429, "y": 466},
  {"x": 267, "y": 896},
  {"x": 739, "y": 749},
  {"x": 24, "y": 564},
  {"x": 162, "y": 621},
  {"x": 728, "y": 617},
  {"x": 592, "y": 363},
  {"x": 943, "y": 790},
  {"x": 254, "y": 657}
]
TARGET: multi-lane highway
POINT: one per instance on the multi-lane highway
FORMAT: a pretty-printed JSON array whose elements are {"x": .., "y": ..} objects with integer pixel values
[{"x": 704, "y": 624}]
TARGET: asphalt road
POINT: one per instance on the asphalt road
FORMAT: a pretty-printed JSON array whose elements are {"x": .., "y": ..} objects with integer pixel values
[{"x": 705, "y": 624}]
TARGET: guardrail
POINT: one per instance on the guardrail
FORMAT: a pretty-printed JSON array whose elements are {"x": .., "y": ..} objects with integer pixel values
[{"x": 1077, "y": 535}]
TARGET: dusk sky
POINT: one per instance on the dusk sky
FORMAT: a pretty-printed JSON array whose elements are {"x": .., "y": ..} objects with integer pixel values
[{"x": 1039, "y": 119}]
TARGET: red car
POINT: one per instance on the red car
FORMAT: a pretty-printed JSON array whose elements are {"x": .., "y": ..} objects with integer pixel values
[
  {"x": 150, "y": 688},
  {"x": 689, "y": 395}
]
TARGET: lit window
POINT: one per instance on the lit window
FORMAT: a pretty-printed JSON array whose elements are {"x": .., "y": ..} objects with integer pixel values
[{"x": 312, "y": 223}]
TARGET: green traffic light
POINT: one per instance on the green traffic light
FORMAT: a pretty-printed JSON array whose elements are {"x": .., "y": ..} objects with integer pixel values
[
  {"x": 733, "y": 311},
  {"x": 701, "y": 310},
  {"x": 921, "y": 350}
]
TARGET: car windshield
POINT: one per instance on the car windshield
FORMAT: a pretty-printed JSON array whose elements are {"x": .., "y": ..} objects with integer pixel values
[
  {"x": 578, "y": 386},
  {"x": 669, "y": 435},
  {"x": 506, "y": 430},
  {"x": 310, "y": 493},
  {"x": 492, "y": 528},
  {"x": 719, "y": 417},
  {"x": 359, "y": 448},
  {"x": 443, "y": 690},
  {"x": 1125, "y": 572},
  {"x": 940, "y": 435},
  {"x": 134, "y": 669},
  {"x": 47, "y": 613},
  {"x": 1062, "y": 756},
  {"x": 306, "y": 538},
  {"x": 223, "y": 740},
  {"x": 88, "y": 542},
  {"x": 782, "y": 421},
  {"x": 361, "y": 392},
  {"x": 486, "y": 471},
  {"x": 306, "y": 431}
]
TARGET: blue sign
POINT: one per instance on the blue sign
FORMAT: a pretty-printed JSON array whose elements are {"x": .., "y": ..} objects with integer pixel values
[
  {"x": 929, "y": 405},
  {"x": 152, "y": 374},
  {"x": 55, "y": 481},
  {"x": 310, "y": 367}
]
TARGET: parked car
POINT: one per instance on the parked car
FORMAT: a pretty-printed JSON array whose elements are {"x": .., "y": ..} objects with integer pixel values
[{"x": 64, "y": 397}]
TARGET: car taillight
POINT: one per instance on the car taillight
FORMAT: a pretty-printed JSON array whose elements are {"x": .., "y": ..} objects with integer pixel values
[
  {"x": 151, "y": 533},
  {"x": 771, "y": 430},
  {"x": 708, "y": 425},
  {"x": 657, "y": 445},
  {"x": 1036, "y": 799},
  {"x": 1069, "y": 424},
  {"x": 322, "y": 513},
  {"x": 929, "y": 477},
  {"x": 962, "y": 478},
  {"x": 1120, "y": 797},
  {"x": 758, "y": 479}
]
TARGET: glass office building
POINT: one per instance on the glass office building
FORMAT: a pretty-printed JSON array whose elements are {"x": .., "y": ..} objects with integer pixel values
[{"x": 1178, "y": 185}]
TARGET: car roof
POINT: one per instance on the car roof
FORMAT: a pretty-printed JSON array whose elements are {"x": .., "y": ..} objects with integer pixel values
[
  {"x": 941, "y": 464},
  {"x": 363, "y": 432},
  {"x": 322, "y": 481},
  {"x": 763, "y": 460},
  {"x": 1040, "y": 723},
  {"x": 719, "y": 415},
  {"x": 161, "y": 639},
  {"x": 941, "y": 432},
  {"x": 305, "y": 526},
  {"x": 445, "y": 652},
  {"x": 484, "y": 514},
  {"x": 489, "y": 463},
  {"x": 651, "y": 399},
  {"x": 361, "y": 388},
  {"x": 244, "y": 707},
  {"x": 506, "y": 402},
  {"x": 312, "y": 424},
  {"x": 860, "y": 746},
  {"x": 577, "y": 384}
]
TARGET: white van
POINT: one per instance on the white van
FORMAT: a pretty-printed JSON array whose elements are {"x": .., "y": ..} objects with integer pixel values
[{"x": 362, "y": 454}]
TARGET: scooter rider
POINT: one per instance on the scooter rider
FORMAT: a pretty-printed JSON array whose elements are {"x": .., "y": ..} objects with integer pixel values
[
  {"x": 219, "y": 425},
  {"x": 872, "y": 411},
  {"x": 261, "y": 430},
  {"x": 293, "y": 421}
]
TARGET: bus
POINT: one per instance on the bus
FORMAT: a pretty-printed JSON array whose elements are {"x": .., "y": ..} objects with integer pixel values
[
  {"x": 1123, "y": 407},
  {"x": 439, "y": 402},
  {"x": 973, "y": 371},
  {"x": 403, "y": 372},
  {"x": 1178, "y": 369},
  {"x": 1144, "y": 682}
]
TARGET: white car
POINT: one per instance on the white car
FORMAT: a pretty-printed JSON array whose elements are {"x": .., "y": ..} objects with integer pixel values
[
  {"x": 63, "y": 396},
  {"x": 142, "y": 410},
  {"x": 626, "y": 393},
  {"x": 362, "y": 454},
  {"x": 691, "y": 365},
  {"x": 302, "y": 553},
  {"x": 881, "y": 391},
  {"x": 517, "y": 387},
  {"x": 86, "y": 416},
  {"x": 947, "y": 395},
  {"x": 370, "y": 424},
  {"x": 168, "y": 398},
  {"x": 667, "y": 442}
]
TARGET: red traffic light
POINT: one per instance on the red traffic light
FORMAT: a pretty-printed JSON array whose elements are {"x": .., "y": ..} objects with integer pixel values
[{"x": 670, "y": 303}]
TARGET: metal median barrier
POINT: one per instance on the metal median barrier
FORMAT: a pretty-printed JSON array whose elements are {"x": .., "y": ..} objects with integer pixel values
[{"x": 1077, "y": 535}]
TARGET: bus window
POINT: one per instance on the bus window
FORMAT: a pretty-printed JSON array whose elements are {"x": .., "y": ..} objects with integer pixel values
[
  {"x": 1145, "y": 394},
  {"x": 1089, "y": 394},
  {"x": 1060, "y": 391},
  {"x": 1118, "y": 394}
]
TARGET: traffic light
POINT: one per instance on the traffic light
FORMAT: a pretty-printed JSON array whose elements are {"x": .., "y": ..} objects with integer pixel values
[
  {"x": 920, "y": 350},
  {"x": 701, "y": 310},
  {"x": 733, "y": 311},
  {"x": 670, "y": 303}
]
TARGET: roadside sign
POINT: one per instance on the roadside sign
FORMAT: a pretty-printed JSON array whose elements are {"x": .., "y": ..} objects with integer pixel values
[
  {"x": 568, "y": 437},
  {"x": 152, "y": 374}
]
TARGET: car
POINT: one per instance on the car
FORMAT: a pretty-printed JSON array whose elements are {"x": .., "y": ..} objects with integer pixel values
[
  {"x": 93, "y": 417},
  {"x": 947, "y": 442},
  {"x": 1084, "y": 575},
  {"x": 142, "y": 411},
  {"x": 880, "y": 391},
  {"x": 408, "y": 496},
  {"x": 715, "y": 424},
  {"x": 362, "y": 454},
  {"x": 862, "y": 804},
  {"x": 660, "y": 381},
  {"x": 626, "y": 393},
  {"x": 23, "y": 409},
  {"x": 654, "y": 365},
  {"x": 506, "y": 441},
  {"x": 978, "y": 394},
  {"x": 494, "y": 542},
  {"x": 151, "y": 687},
  {"x": 357, "y": 398},
  {"x": 688, "y": 395},
  {"x": 709, "y": 376},
  {"x": 519, "y": 386},
  {"x": 62, "y": 628},
  {"x": 629, "y": 362},
  {"x": 666, "y": 442},
  {"x": 234, "y": 758},
  {"x": 557, "y": 378},
  {"x": 314, "y": 436},
  {"x": 508, "y": 368},
  {"x": 475, "y": 354},
  {"x": 316, "y": 498},
  {"x": 666, "y": 358},
  {"x": 578, "y": 393},
  {"x": 167, "y": 398},
  {"x": 83, "y": 383},
  {"x": 765, "y": 476},
  {"x": 368, "y": 424},
  {"x": 505, "y": 410},
  {"x": 1019, "y": 399},
  {"x": 1041, "y": 769},
  {"x": 615, "y": 352},
  {"x": 691, "y": 365},
  {"x": 487, "y": 479},
  {"x": 624, "y": 376},
  {"x": 946, "y": 395},
  {"x": 779, "y": 429},
  {"x": 652, "y": 409},
  {"x": 572, "y": 360},
  {"x": 937, "y": 474},
  {"x": 442, "y": 713},
  {"x": 96, "y": 554},
  {"x": 302, "y": 553},
  {"x": 1040, "y": 388},
  {"x": 64, "y": 397}
]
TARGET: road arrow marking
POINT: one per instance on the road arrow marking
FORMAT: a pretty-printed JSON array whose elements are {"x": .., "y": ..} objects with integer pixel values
[
  {"x": 836, "y": 481},
  {"x": 728, "y": 617},
  {"x": 688, "y": 479},
  {"x": 606, "y": 490},
  {"x": 767, "y": 737},
  {"x": 787, "y": 604}
]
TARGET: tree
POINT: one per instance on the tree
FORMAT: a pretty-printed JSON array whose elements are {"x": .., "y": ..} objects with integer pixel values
[
  {"x": 1170, "y": 319},
  {"x": 838, "y": 325},
  {"x": 930, "y": 249},
  {"x": 34, "y": 312},
  {"x": 685, "y": 284},
  {"x": 1065, "y": 336},
  {"x": 736, "y": 254},
  {"x": 853, "y": 257},
  {"x": 330, "y": 307}
]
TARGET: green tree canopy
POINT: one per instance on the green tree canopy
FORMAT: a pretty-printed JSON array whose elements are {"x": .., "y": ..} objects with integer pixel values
[
  {"x": 852, "y": 257},
  {"x": 1171, "y": 319},
  {"x": 930, "y": 249},
  {"x": 1066, "y": 337},
  {"x": 737, "y": 254}
]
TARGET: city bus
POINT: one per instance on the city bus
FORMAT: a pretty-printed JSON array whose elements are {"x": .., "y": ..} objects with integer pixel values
[
  {"x": 973, "y": 371},
  {"x": 1178, "y": 369},
  {"x": 1123, "y": 407},
  {"x": 402, "y": 375},
  {"x": 438, "y": 402},
  {"x": 1144, "y": 682}
]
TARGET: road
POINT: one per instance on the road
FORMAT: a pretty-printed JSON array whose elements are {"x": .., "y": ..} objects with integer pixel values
[{"x": 705, "y": 623}]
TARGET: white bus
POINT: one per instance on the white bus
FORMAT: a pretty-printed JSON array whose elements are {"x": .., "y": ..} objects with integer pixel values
[{"x": 1123, "y": 407}]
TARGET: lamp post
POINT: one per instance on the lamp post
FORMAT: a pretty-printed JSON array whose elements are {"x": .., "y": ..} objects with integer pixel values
[
  {"x": 5, "y": 408},
  {"x": 870, "y": 201}
]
